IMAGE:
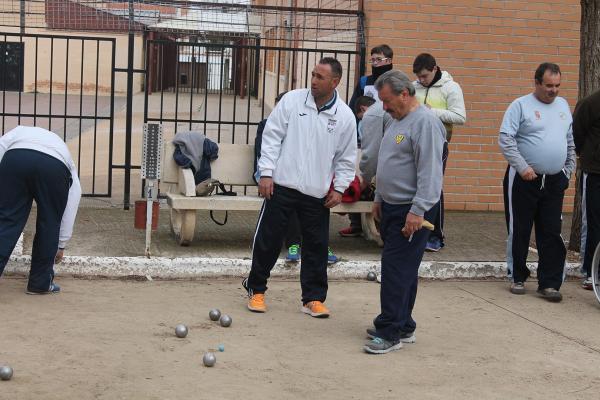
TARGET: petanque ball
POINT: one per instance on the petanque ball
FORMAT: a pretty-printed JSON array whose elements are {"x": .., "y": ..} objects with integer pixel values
[
  {"x": 371, "y": 276},
  {"x": 6, "y": 373},
  {"x": 214, "y": 314},
  {"x": 209, "y": 359},
  {"x": 221, "y": 348},
  {"x": 225, "y": 320},
  {"x": 181, "y": 331}
]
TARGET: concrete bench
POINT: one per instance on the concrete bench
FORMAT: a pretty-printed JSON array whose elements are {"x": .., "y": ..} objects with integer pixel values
[{"x": 235, "y": 166}]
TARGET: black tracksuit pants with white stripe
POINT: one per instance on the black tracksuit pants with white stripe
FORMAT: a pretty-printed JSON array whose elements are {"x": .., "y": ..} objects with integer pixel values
[
  {"x": 539, "y": 201},
  {"x": 27, "y": 175},
  {"x": 438, "y": 209},
  {"x": 270, "y": 232},
  {"x": 591, "y": 218}
]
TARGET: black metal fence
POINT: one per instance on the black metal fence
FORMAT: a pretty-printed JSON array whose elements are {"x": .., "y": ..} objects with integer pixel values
[
  {"x": 245, "y": 79},
  {"x": 209, "y": 66},
  {"x": 64, "y": 84}
]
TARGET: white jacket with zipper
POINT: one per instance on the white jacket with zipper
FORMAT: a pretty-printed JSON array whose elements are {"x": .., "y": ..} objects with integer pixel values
[
  {"x": 303, "y": 149},
  {"x": 445, "y": 97}
]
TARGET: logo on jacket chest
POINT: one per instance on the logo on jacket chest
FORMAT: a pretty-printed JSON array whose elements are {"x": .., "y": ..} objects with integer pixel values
[
  {"x": 331, "y": 123},
  {"x": 399, "y": 138}
]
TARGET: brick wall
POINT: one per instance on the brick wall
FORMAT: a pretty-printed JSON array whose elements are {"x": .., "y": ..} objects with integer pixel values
[{"x": 491, "y": 48}]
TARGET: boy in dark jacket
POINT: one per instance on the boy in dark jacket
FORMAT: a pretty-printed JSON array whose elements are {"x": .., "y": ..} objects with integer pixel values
[{"x": 586, "y": 134}]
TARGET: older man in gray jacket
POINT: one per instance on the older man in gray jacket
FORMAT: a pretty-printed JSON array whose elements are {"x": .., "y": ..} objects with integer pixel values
[{"x": 409, "y": 183}]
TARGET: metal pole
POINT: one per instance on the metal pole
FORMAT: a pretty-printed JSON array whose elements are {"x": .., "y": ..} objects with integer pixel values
[
  {"x": 361, "y": 44},
  {"x": 129, "y": 114},
  {"x": 150, "y": 196},
  {"x": 22, "y": 19}
]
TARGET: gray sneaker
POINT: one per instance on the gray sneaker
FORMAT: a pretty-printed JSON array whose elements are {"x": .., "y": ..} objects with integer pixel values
[
  {"x": 405, "y": 337},
  {"x": 53, "y": 289},
  {"x": 382, "y": 346},
  {"x": 550, "y": 294},
  {"x": 517, "y": 288}
]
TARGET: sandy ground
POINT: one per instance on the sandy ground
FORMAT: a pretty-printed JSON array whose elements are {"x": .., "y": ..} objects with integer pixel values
[{"x": 103, "y": 339}]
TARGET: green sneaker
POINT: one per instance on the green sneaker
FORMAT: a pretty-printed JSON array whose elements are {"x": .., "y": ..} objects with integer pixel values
[
  {"x": 293, "y": 254},
  {"x": 331, "y": 258}
]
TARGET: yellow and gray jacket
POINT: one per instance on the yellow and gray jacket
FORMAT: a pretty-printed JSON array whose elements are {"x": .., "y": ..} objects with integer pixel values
[{"x": 446, "y": 100}]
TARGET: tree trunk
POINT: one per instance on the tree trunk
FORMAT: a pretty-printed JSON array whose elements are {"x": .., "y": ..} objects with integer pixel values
[{"x": 589, "y": 81}]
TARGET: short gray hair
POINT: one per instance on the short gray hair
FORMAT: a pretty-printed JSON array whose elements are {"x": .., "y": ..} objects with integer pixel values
[{"x": 397, "y": 81}]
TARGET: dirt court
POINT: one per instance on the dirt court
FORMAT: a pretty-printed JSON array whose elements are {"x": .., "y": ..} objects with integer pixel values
[{"x": 107, "y": 339}]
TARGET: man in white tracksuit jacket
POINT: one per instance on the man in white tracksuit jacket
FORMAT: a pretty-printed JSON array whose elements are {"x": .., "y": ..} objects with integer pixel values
[{"x": 309, "y": 141}]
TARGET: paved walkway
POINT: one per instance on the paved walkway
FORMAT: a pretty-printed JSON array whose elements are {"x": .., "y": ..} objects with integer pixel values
[
  {"x": 109, "y": 232},
  {"x": 106, "y": 243}
]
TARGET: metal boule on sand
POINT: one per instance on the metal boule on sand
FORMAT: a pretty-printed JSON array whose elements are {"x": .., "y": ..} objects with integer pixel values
[
  {"x": 209, "y": 359},
  {"x": 225, "y": 320},
  {"x": 6, "y": 373},
  {"x": 181, "y": 331},
  {"x": 214, "y": 314}
]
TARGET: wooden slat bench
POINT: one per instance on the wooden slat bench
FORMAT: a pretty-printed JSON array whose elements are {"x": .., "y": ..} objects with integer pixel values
[{"x": 235, "y": 166}]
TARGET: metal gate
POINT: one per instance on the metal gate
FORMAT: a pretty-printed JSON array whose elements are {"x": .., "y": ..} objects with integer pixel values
[
  {"x": 210, "y": 66},
  {"x": 224, "y": 90},
  {"x": 64, "y": 84}
]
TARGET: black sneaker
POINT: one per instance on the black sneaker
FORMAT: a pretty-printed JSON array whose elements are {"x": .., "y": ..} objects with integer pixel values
[
  {"x": 550, "y": 294},
  {"x": 382, "y": 346},
  {"x": 53, "y": 289},
  {"x": 405, "y": 337},
  {"x": 517, "y": 288}
]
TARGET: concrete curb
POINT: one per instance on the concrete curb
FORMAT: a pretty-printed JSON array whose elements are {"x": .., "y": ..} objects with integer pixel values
[{"x": 203, "y": 267}]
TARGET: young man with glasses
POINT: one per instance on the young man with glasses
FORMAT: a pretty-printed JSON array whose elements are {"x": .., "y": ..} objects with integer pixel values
[{"x": 381, "y": 62}]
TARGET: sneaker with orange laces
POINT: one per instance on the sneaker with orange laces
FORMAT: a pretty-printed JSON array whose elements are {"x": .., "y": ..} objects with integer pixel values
[
  {"x": 315, "y": 309},
  {"x": 256, "y": 303}
]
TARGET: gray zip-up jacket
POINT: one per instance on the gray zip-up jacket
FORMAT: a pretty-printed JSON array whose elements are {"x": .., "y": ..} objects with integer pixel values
[
  {"x": 374, "y": 123},
  {"x": 409, "y": 167}
]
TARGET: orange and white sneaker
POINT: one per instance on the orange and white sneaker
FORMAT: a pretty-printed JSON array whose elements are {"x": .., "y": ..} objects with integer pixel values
[
  {"x": 256, "y": 303},
  {"x": 315, "y": 309}
]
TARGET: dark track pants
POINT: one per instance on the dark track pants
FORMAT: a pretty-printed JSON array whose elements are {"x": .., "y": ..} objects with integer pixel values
[
  {"x": 538, "y": 201},
  {"x": 400, "y": 262},
  {"x": 590, "y": 212},
  {"x": 294, "y": 234},
  {"x": 272, "y": 225},
  {"x": 27, "y": 175},
  {"x": 437, "y": 211}
]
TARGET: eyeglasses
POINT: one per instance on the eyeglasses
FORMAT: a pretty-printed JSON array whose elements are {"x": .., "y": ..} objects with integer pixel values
[{"x": 379, "y": 60}]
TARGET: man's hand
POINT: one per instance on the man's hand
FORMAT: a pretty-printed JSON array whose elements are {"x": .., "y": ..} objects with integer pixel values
[
  {"x": 265, "y": 187},
  {"x": 376, "y": 211},
  {"x": 333, "y": 199},
  {"x": 529, "y": 174},
  {"x": 59, "y": 256},
  {"x": 413, "y": 223}
]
